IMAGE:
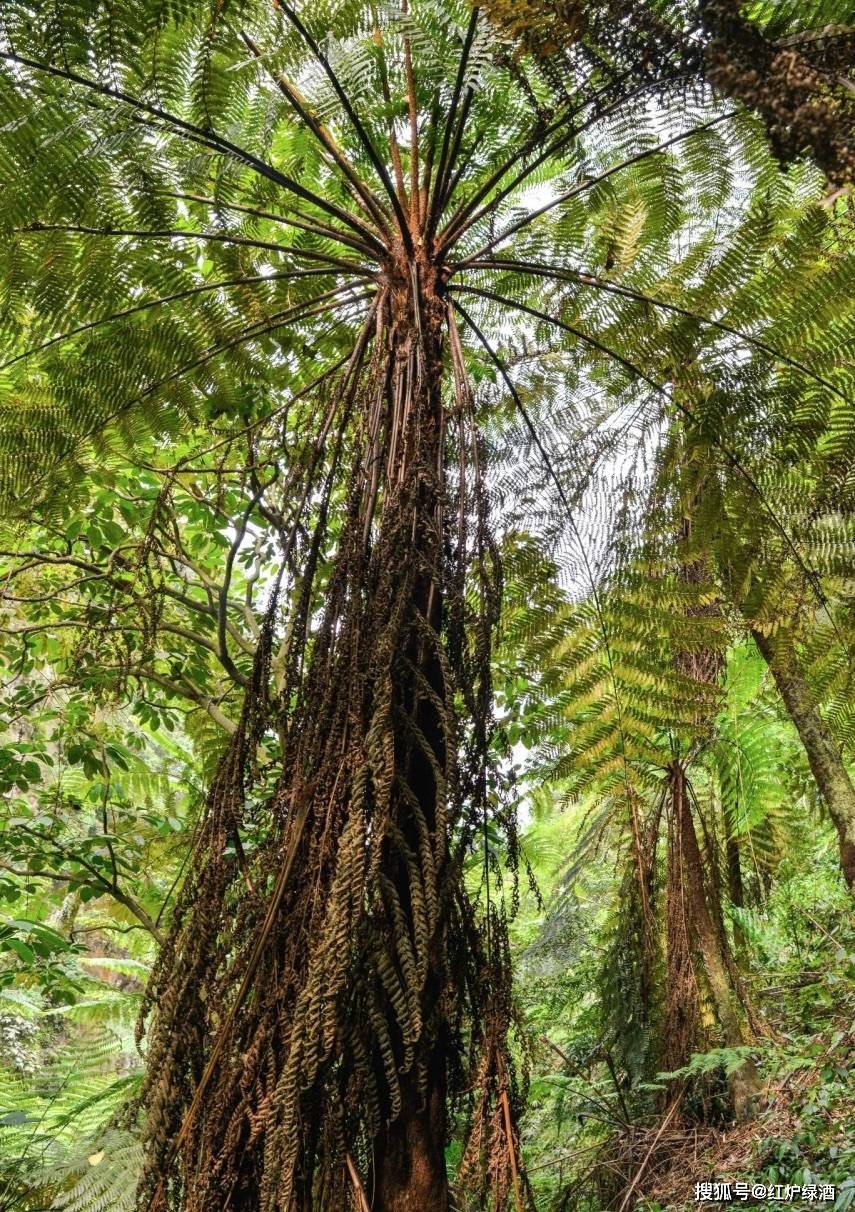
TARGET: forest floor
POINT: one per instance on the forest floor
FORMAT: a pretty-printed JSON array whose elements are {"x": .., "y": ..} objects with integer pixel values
[{"x": 804, "y": 1136}]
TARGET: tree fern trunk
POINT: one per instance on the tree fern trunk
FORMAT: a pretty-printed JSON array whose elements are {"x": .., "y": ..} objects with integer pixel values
[
  {"x": 735, "y": 890},
  {"x": 824, "y": 758},
  {"x": 410, "y": 1154},
  {"x": 735, "y": 887},
  {"x": 347, "y": 1043},
  {"x": 744, "y": 1083}
]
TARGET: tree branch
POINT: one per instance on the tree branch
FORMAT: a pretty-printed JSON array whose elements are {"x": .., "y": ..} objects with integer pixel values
[
  {"x": 208, "y": 138},
  {"x": 365, "y": 195},
  {"x": 278, "y": 320},
  {"x": 435, "y": 198},
  {"x": 164, "y": 299},
  {"x": 215, "y": 237},
  {"x": 587, "y": 279},
  {"x": 123, "y": 898},
  {"x": 590, "y": 182},
  {"x": 361, "y": 132}
]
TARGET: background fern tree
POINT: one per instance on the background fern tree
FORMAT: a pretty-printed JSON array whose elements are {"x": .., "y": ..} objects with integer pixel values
[
  {"x": 290, "y": 220},
  {"x": 712, "y": 510}
]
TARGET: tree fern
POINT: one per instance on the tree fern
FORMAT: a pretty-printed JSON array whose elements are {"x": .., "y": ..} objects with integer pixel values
[
  {"x": 290, "y": 261},
  {"x": 52, "y": 1117},
  {"x": 106, "y": 1179}
]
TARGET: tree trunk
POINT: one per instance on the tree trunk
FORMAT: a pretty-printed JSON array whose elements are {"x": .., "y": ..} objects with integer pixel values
[
  {"x": 735, "y": 888},
  {"x": 744, "y": 1082},
  {"x": 683, "y": 1000},
  {"x": 409, "y": 1153},
  {"x": 410, "y": 1161},
  {"x": 832, "y": 777},
  {"x": 736, "y": 891}
]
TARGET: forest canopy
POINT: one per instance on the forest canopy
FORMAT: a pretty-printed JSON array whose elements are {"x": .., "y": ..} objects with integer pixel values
[{"x": 426, "y": 605}]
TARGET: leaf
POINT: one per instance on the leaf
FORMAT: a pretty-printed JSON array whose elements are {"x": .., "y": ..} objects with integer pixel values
[{"x": 24, "y": 953}]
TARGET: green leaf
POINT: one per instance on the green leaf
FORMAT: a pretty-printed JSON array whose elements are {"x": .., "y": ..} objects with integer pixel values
[{"x": 24, "y": 953}]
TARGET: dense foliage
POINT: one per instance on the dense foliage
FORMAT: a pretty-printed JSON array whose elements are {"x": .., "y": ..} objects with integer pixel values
[{"x": 426, "y": 625}]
